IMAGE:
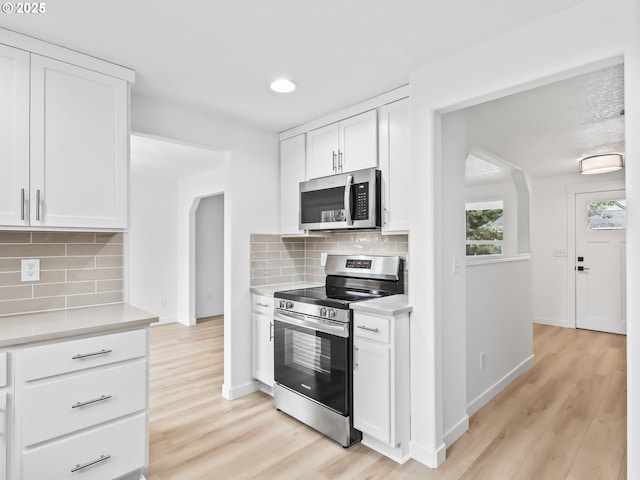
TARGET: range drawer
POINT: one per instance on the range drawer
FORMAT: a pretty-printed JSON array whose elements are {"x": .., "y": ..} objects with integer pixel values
[
  {"x": 105, "y": 453},
  {"x": 64, "y": 406},
  {"x": 74, "y": 355},
  {"x": 371, "y": 327}
]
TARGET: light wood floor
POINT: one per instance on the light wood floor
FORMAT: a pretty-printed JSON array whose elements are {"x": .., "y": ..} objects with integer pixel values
[{"x": 565, "y": 418}]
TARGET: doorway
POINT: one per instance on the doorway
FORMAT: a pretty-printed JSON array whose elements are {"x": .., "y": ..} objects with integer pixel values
[
  {"x": 600, "y": 272},
  {"x": 209, "y": 261}
]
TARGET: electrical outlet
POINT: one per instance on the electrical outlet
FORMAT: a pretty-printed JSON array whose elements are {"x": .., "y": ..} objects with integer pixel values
[
  {"x": 30, "y": 270},
  {"x": 323, "y": 259}
]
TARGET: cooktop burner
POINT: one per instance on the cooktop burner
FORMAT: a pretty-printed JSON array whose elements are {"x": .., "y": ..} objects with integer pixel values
[{"x": 325, "y": 296}]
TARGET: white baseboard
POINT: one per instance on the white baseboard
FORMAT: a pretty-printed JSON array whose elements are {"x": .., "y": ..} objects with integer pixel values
[
  {"x": 429, "y": 457},
  {"x": 398, "y": 454},
  {"x": 552, "y": 322},
  {"x": 481, "y": 400},
  {"x": 456, "y": 431},
  {"x": 231, "y": 393}
]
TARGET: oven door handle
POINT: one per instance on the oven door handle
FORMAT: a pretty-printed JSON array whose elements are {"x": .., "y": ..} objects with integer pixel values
[
  {"x": 325, "y": 326},
  {"x": 347, "y": 200}
]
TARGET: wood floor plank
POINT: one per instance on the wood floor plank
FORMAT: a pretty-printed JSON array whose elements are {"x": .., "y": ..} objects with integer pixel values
[{"x": 563, "y": 418}]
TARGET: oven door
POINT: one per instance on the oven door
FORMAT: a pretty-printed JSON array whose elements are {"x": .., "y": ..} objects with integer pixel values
[{"x": 313, "y": 356}]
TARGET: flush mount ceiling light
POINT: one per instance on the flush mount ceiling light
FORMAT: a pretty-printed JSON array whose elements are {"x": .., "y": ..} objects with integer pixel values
[
  {"x": 609, "y": 162},
  {"x": 282, "y": 85}
]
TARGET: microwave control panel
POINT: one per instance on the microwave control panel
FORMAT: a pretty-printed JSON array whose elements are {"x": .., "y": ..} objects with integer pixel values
[{"x": 362, "y": 201}]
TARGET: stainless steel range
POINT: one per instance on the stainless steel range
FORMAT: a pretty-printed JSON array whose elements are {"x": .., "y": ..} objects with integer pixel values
[{"x": 313, "y": 341}]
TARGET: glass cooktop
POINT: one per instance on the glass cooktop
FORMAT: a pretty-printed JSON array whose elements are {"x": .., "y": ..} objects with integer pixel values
[{"x": 330, "y": 297}]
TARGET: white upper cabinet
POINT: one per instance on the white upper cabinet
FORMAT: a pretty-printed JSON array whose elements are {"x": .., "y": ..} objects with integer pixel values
[
  {"x": 292, "y": 172},
  {"x": 14, "y": 136},
  {"x": 64, "y": 141},
  {"x": 345, "y": 146},
  {"x": 395, "y": 156},
  {"x": 79, "y": 146}
]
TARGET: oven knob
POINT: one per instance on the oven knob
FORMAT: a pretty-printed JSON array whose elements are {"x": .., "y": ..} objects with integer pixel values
[
  {"x": 281, "y": 304},
  {"x": 323, "y": 312},
  {"x": 332, "y": 313},
  {"x": 289, "y": 305}
]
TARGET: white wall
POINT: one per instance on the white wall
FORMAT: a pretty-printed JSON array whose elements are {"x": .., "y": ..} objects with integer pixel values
[
  {"x": 547, "y": 50},
  {"x": 152, "y": 245},
  {"x": 210, "y": 256},
  {"x": 499, "y": 327},
  {"x": 252, "y": 180},
  {"x": 451, "y": 286},
  {"x": 550, "y": 233}
]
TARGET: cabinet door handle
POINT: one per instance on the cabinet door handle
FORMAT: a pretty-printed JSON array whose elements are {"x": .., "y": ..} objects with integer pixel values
[
  {"x": 355, "y": 357},
  {"x": 368, "y": 329},
  {"x": 102, "y": 398},
  {"x": 22, "y": 204},
  {"x": 88, "y": 464},
  {"x": 335, "y": 170},
  {"x": 270, "y": 331},
  {"x": 339, "y": 161},
  {"x": 38, "y": 205},
  {"x": 104, "y": 351}
]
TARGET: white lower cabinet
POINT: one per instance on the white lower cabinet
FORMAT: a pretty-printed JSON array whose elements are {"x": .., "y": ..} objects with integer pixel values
[
  {"x": 102, "y": 453},
  {"x": 6, "y": 392},
  {"x": 381, "y": 390},
  {"x": 262, "y": 319},
  {"x": 81, "y": 408}
]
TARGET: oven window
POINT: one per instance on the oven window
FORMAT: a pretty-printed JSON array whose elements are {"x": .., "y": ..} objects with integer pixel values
[
  {"x": 313, "y": 363},
  {"x": 309, "y": 353}
]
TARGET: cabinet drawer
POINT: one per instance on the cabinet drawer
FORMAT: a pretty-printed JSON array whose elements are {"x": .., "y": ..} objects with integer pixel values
[
  {"x": 74, "y": 355},
  {"x": 263, "y": 304},
  {"x": 372, "y": 328},
  {"x": 64, "y": 406},
  {"x": 123, "y": 443}
]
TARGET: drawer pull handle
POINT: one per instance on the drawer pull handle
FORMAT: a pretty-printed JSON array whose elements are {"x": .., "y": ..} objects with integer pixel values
[
  {"x": 89, "y": 402},
  {"x": 102, "y": 458},
  {"x": 262, "y": 304},
  {"x": 93, "y": 354},
  {"x": 374, "y": 330}
]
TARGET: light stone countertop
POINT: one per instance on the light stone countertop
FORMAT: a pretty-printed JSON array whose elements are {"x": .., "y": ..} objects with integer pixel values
[
  {"x": 36, "y": 327},
  {"x": 388, "y": 306},
  {"x": 269, "y": 290}
]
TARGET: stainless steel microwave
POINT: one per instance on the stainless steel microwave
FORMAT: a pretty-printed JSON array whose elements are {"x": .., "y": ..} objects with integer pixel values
[{"x": 347, "y": 201}]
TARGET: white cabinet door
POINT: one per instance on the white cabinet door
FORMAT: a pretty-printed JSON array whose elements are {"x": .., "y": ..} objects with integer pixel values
[
  {"x": 345, "y": 146},
  {"x": 79, "y": 146},
  {"x": 322, "y": 151},
  {"x": 263, "y": 348},
  {"x": 292, "y": 171},
  {"x": 372, "y": 389},
  {"x": 14, "y": 136},
  {"x": 395, "y": 157},
  {"x": 358, "y": 142}
]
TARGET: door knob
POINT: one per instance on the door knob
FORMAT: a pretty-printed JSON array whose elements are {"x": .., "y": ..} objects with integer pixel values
[{"x": 582, "y": 269}]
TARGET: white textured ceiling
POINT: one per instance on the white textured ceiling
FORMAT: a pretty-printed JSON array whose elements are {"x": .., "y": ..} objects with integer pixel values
[
  {"x": 221, "y": 55},
  {"x": 547, "y": 130}
]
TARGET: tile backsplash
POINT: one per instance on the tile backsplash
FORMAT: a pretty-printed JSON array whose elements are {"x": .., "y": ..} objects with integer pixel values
[
  {"x": 76, "y": 269},
  {"x": 276, "y": 260}
]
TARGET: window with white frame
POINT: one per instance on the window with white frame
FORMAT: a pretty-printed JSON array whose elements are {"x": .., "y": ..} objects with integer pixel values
[{"x": 485, "y": 228}]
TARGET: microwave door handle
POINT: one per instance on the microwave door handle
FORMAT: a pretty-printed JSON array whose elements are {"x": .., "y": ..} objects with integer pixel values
[{"x": 347, "y": 200}]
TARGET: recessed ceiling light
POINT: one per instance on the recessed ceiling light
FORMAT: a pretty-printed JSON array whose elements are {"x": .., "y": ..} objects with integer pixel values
[{"x": 283, "y": 85}]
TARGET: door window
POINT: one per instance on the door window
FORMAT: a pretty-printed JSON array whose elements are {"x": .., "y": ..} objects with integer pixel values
[{"x": 607, "y": 215}]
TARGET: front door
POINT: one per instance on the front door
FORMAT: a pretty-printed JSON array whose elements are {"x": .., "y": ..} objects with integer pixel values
[{"x": 601, "y": 261}]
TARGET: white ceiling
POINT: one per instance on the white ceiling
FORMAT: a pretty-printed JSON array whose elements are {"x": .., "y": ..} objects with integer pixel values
[
  {"x": 156, "y": 158},
  {"x": 221, "y": 55},
  {"x": 546, "y": 130}
]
